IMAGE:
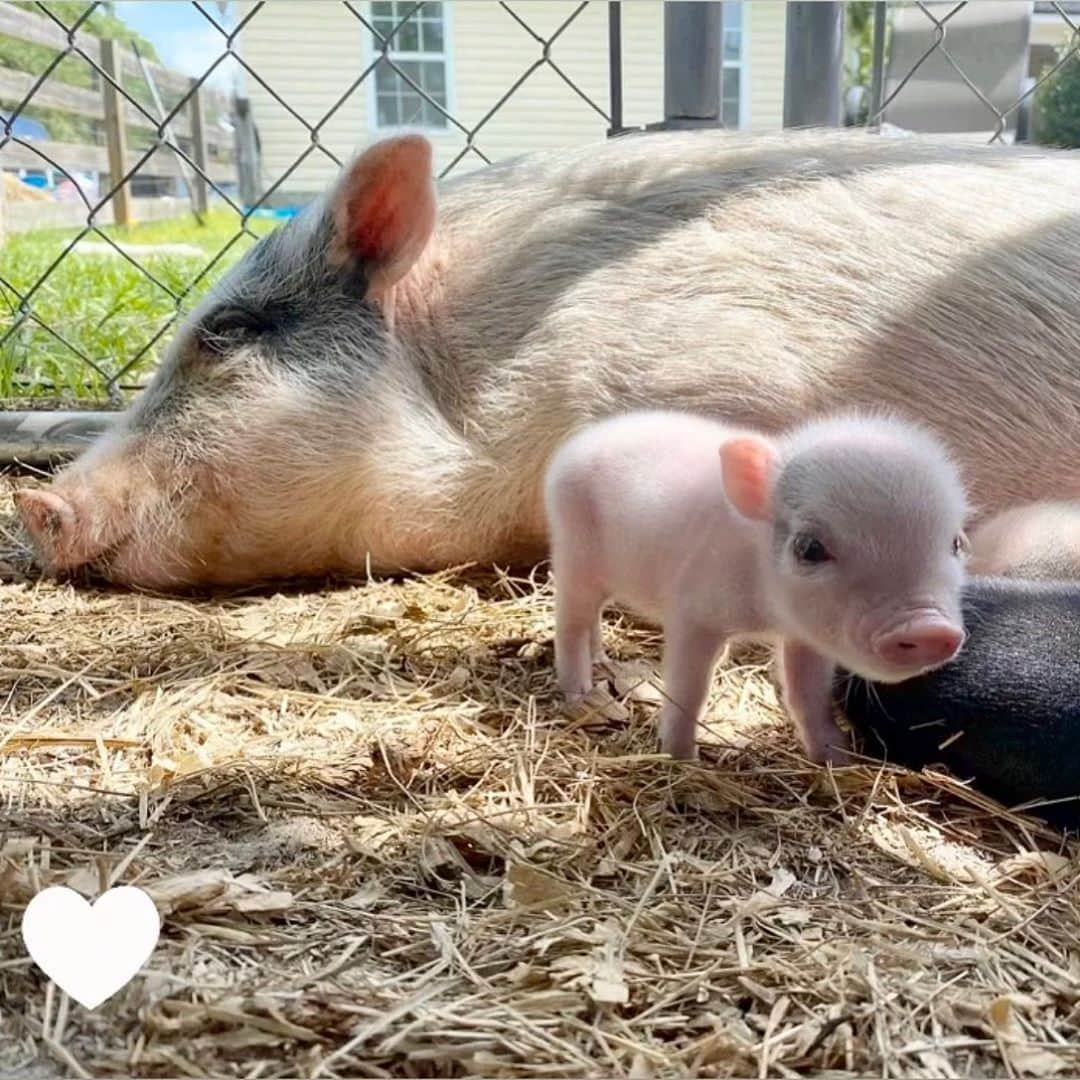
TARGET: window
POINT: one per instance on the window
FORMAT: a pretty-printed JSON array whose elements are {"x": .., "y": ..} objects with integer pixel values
[
  {"x": 731, "y": 72},
  {"x": 418, "y": 50}
]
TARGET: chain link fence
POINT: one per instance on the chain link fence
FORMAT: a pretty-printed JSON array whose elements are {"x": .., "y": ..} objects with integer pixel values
[
  {"x": 932, "y": 59},
  {"x": 86, "y": 311},
  {"x": 42, "y": 353}
]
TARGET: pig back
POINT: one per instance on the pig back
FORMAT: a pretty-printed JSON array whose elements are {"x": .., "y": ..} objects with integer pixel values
[
  {"x": 761, "y": 280},
  {"x": 406, "y": 421},
  {"x": 1005, "y": 714}
]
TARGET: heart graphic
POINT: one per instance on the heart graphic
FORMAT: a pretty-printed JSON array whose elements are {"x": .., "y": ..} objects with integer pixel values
[{"x": 90, "y": 951}]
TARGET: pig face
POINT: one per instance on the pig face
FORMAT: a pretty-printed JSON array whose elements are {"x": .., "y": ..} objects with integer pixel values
[
  {"x": 866, "y": 549},
  {"x": 219, "y": 471}
]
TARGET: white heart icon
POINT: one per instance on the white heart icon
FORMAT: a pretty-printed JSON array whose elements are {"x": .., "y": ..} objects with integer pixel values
[{"x": 90, "y": 952}]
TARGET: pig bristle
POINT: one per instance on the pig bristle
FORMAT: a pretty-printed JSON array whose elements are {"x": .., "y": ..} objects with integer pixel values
[
  {"x": 1033, "y": 541},
  {"x": 909, "y": 453},
  {"x": 723, "y": 275}
]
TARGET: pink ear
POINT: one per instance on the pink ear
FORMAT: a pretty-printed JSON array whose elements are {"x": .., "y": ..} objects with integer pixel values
[
  {"x": 49, "y": 518},
  {"x": 384, "y": 209},
  {"x": 749, "y": 465}
]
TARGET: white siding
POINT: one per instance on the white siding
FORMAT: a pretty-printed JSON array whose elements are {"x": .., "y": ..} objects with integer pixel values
[
  {"x": 766, "y": 22},
  {"x": 310, "y": 51},
  {"x": 492, "y": 52},
  {"x": 1050, "y": 30}
]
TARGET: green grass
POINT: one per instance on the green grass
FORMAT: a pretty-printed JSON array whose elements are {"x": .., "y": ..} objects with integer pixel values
[{"x": 101, "y": 304}]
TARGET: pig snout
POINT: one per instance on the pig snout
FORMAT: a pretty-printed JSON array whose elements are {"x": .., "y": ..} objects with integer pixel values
[
  {"x": 918, "y": 643},
  {"x": 57, "y": 528},
  {"x": 77, "y": 519}
]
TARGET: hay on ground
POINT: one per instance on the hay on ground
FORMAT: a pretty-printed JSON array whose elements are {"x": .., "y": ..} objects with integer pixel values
[{"x": 380, "y": 848}]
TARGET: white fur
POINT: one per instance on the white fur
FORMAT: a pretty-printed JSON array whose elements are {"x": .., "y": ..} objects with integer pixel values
[
  {"x": 641, "y": 512},
  {"x": 1036, "y": 541}
]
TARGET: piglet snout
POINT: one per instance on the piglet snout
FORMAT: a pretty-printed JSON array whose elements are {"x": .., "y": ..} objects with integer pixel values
[{"x": 920, "y": 643}]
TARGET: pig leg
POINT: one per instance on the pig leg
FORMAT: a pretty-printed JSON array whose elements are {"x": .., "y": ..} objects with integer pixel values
[
  {"x": 690, "y": 654},
  {"x": 577, "y": 633},
  {"x": 806, "y": 677},
  {"x": 596, "y": 643}
]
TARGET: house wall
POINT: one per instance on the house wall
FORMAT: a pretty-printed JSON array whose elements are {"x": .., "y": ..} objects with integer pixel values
[
  {"x": 766, "y": 24},
  {"x": 310, "y": 51},
  {"x": 1050, "y": 30}
]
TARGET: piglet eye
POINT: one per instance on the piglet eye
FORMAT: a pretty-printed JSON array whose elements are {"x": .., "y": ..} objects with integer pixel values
[
  {"x": 809, "y": 549},
  {"x": 959, "y": 544}
]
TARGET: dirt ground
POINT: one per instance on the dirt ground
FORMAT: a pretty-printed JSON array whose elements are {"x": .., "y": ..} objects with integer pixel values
[{"x": 379, "y": 847}]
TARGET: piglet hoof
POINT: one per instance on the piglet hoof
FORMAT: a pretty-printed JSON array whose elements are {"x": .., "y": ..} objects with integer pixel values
[
  {"x": 574, "y": 692},
  {"x": 677, "y": 739},
  {"x": 597, "y": 706},
  {"x": 836, "y": 752},
  {"x": 679, "y": 749},
  {"x": 574, "y": 704}
]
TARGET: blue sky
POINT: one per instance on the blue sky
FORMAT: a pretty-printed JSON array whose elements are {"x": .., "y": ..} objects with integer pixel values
[{"x": 184, "y": 39}]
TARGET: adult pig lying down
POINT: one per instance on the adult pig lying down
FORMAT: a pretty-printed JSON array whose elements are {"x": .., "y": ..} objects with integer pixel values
[{"x": 375, "y": 379}]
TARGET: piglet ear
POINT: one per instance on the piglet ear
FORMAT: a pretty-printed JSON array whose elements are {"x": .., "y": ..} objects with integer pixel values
[
  {"x": 749, "y": 466},
  {"x": 384, "y": 210}
]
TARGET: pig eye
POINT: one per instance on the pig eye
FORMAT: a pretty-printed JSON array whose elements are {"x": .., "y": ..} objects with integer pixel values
[
  {"x": 809, "y": 549},
  {"x": 226, "y": 325}
]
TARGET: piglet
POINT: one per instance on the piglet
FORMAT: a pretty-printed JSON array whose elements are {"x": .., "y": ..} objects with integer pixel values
[
  {"x": 1037, "y": 541},
  {"x": 841, "y": 539}
]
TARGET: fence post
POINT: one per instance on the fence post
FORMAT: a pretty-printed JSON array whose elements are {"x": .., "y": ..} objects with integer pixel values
[
  {"x": 196, "y": 113},
  {"x": 247, "y": 153},
  {"x": 814, "y": 51},
  {"x": 692, "y": 52},
  {"x": 115, "y": 133},
  {"x": 615, "y": 65},
  {"x": 42, "y": 438},
  {"x": 877, "y": 72}
]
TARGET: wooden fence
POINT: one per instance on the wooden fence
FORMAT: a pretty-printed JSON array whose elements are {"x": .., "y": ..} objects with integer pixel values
[{"x": 203, "y": 128}]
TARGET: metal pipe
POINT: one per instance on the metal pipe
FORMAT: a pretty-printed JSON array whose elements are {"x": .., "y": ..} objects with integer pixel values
[
  {"x": 615, "y": 65},
  {"x": 813, "y": 63},
  {"x": 877, "y": 71},
  {"x": 693, "y": 41},
  {"x": 186, "y": 173},
  {"x": 248, "y": 171},
  {"x": 39, "y": 438}
]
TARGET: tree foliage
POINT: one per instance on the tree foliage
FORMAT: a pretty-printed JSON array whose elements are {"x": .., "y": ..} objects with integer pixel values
[
  {"x": 101, "y": 21},
  {"x": 858, "y": 43},
  {"x": 1057, "y": 104},
  {"x": 34, "y": 59},
  {"x": 859, "y": 56}
]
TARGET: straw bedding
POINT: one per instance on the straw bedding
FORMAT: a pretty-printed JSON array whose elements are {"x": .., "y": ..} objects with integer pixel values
[{"x": 380, "y": 848}]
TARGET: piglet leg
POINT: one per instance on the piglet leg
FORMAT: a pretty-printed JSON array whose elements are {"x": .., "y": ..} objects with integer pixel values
[
  {"x": 690, "y": 654},
  {"x": 806, "y": 678},
  {"x": 597, "y": 642},
  {"x": 577, "y": 632}
]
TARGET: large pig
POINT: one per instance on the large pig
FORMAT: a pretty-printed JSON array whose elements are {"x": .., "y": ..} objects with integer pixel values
[
  {"x": 378, "y": 380},
  {"x": 841, "y": 540},
  {"x": 1037, "y": 541}
]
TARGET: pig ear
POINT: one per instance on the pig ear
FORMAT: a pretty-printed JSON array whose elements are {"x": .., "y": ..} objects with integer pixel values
[
  {"x": 749, "y": 467},
  {"x": 48, "y": 518},
  {"x": 384, "y": 210}
]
